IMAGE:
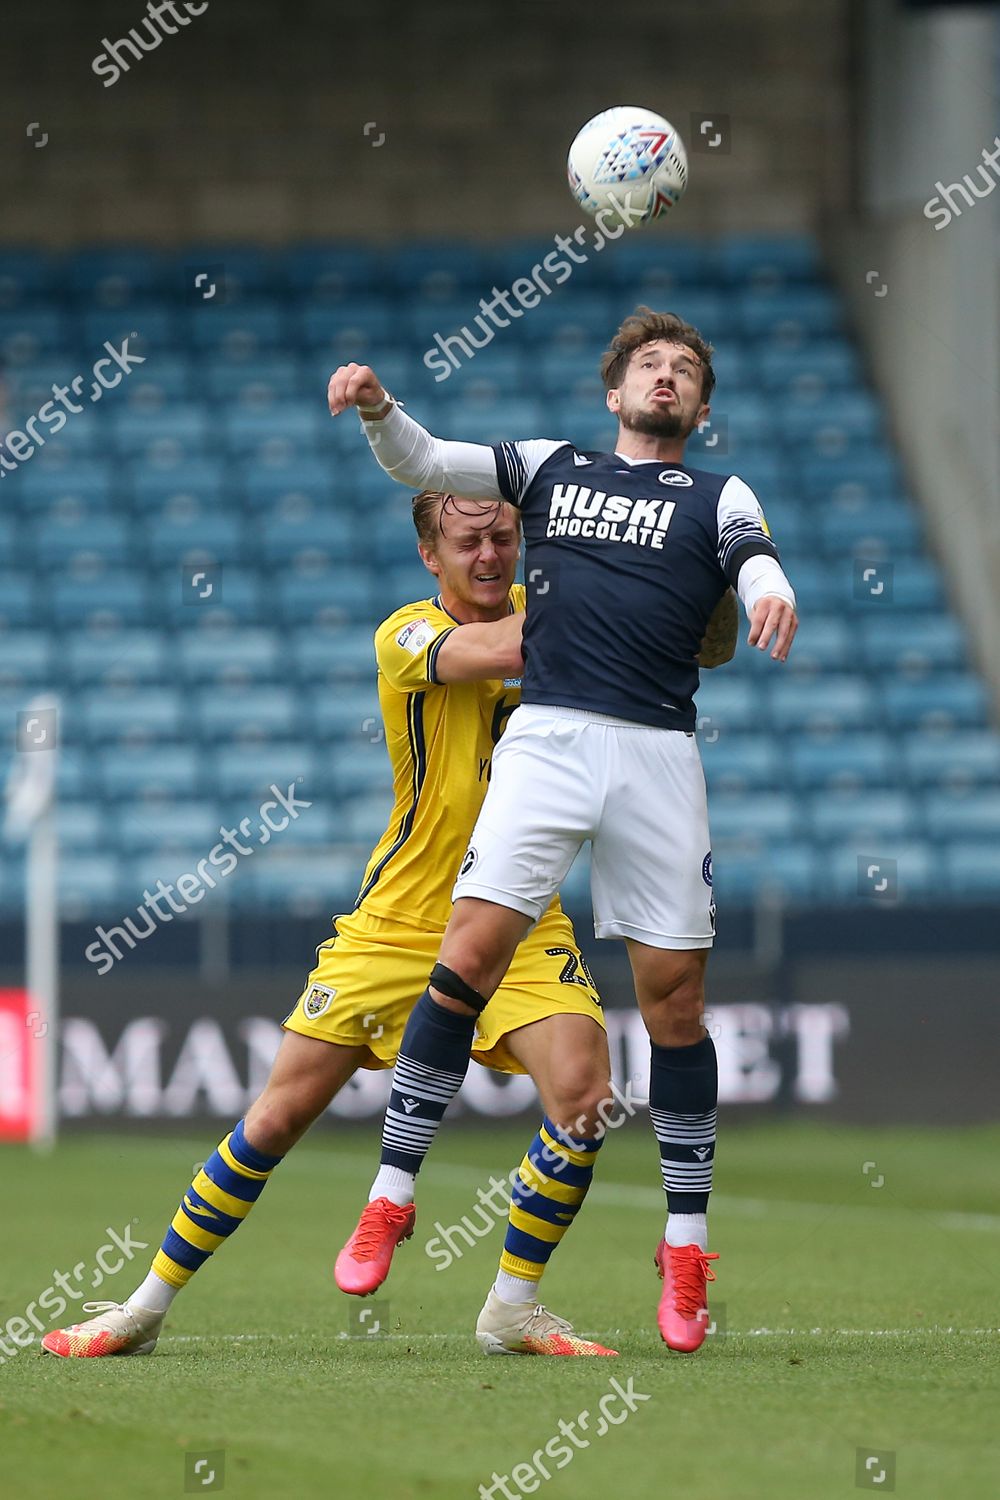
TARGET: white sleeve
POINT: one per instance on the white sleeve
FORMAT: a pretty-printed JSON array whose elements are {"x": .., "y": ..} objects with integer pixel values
[
  {"x": 760, "y": 576},
  {"x": 409, "y": 453},
  {"x": 747, "y": 554}
]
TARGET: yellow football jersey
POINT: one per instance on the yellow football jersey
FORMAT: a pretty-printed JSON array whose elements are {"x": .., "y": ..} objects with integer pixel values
[{"x": 440, "y": 740}]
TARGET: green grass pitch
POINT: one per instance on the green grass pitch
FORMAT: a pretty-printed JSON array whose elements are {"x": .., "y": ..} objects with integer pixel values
[{"x": 858, "y": 1310}]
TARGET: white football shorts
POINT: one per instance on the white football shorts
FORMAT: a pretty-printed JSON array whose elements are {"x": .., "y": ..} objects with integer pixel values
[{"x": 561, "y": 776}]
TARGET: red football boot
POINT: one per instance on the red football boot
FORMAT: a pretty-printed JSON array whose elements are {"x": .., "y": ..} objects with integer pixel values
[
  {"x": 364, "y": 1262},
  {"x": 682, "y": 1316}
]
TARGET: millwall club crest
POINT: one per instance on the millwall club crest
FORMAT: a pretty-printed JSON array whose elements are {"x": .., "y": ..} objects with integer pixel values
[{"x": 318, "y": 1001}]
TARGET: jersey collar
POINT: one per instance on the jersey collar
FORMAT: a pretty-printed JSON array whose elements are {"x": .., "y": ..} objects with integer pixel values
[{"x": 438, "y": 605}]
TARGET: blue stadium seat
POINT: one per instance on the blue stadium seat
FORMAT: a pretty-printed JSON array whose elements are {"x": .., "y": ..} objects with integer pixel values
[
  {"x": 331, "y": 596},
  {"x": 740, "y": 762},
  {"x": 851, "y": 761},
  {"x": 493, "y": 421},
  {"x": 333, "y": 272},
  {"x": 17, "y": 600},
  {"x": 832, "y": 703},
  {"x": 969, "y": 757},
  {"x": 120, "y": 597},
  {"x": 90, "y": 883},
  {"x": 744, "y": 875},
  {"x": 360, "y": 764},
  {"x": 257, "y": 382},
  {"x": 284, "y": 537},
  {"x": 151, "y": 772},
  {"x": 761, "y": 816},
  {"x": 306, "y": 885},
  {"x": 203, "y": 479},
  {"x": 907, "y": 583},
  {"x": 224, "y": 713},
  {"x": 964, "y": 812},
  {"x": 403, "y": 584},
  {"x": 727, "y": 704},
  {"x": 332, "y": 656},
  {"x": 912, "y": 864},
  {"x": 179, "y": 825},
  {"x": 246, "y": 773},
  {"x": 351, "y": 714},
  {"x": 942, "y": 701},
  {"x": 117, "y": 656},
  {"x": 434, "y": 270},
  {"x": 364, "y": 819},
  {"x": 644, "y": 270},
  {"x": 134, "y": 432},
  {"x": 972, "y": 868},
  {"x": 787, "y": 315},
  {"x": 820, "y": 365},
  {"x": 138, "y": 715},
  {"x": 25, "y": 332},
  {"x": 114, "y": 277},
  {"x": 146, "y": 327},
  {"x": 38, "y": 486},
  {"x": 837, "y": 816},
  {"x": 345, "y": 329},
  {"x": 841, "y": 416},
  {"x": 9, "y": 549},
  {"x": 205, "y": 656},
  {"x": 871, "y": 472},
  {"x": 80, "y": 826},
  {"x": 885, "y": 529},
  {"x": 25, "y": 275},
  {"x": 246, "y": 429},
  {"x": 72, "y": 533},
  {"x": 26, "y": 657},
  {"x": 187, "y": 529},
  {"x": 168, "y": 378},
  {"x": 244, "y": 331},
  {"x": 767, "y": 261},
  {"x": 911, "y": 642},
  {"x": 262, "y": 486},
  {"x": 238, "y": 595},
  {"x": 247, "y": 271}
]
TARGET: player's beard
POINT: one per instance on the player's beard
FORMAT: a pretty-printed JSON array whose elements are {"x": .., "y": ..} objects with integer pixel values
[{"x": 658, "y": 421}]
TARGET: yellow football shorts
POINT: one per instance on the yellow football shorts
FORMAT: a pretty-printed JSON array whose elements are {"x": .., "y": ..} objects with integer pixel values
[{"x": 369, "y": 976}]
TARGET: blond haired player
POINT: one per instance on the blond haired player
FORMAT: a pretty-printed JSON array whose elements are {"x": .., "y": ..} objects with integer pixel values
[{"x": 449, "y": 677}]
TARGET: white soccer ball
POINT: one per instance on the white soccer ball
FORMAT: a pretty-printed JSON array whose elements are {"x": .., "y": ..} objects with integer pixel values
[{"x": 629, "y": 162}]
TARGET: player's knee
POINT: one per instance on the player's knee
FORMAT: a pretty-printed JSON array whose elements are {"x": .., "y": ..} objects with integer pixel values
[
  {"x": 276, "y": 1120},
  {"x": 580, "y": 1104},
  {"x": 674, "y": 1004}
]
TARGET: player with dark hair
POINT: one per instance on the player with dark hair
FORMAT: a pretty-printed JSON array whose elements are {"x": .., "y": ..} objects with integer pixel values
[{"x": 628, "y": 554}]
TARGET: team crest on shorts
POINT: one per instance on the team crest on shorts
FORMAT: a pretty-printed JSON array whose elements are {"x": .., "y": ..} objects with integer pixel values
[
  {"x": 318, "y": 1001},
  {"x": 469, "y": 862},
  {"x": 706, "y": 868}
]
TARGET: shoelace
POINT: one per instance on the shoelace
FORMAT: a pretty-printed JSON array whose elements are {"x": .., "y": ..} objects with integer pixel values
[
  {"x": 103, "y": 1307},
  {"x": 690, "y": 1273},
  {"x": 542, "y": 1321},
  {"x": 370, "y": 1233}
]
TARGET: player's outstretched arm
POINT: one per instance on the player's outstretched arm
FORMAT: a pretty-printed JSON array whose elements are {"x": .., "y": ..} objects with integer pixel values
[
  {"x": 718, "y": 644},
  {"x": 407, "y": 451},
  {"x": 481, "y": 653}
]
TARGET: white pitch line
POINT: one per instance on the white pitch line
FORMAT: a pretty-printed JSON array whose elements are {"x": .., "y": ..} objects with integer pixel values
[{"x": 743, "y": 1333}]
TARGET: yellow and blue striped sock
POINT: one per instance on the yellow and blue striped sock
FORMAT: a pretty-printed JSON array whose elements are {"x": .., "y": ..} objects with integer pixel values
[
  {"x": 550, "y": 1185},
  {"x": 216, "y": 1203}
]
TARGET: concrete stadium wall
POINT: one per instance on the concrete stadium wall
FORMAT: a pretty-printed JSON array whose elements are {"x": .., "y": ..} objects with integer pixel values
[{"x": 274, "y": 122}]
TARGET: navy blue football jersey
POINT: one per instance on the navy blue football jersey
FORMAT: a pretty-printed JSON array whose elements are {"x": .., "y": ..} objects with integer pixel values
[{"x": 625, "y": 561}]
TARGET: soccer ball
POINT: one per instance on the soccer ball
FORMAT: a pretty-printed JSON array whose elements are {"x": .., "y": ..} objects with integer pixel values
[{"x": 628, "y": 162}]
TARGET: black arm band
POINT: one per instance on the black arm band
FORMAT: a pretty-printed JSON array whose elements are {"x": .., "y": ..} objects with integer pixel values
[{"x": 455, "y": 987}]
